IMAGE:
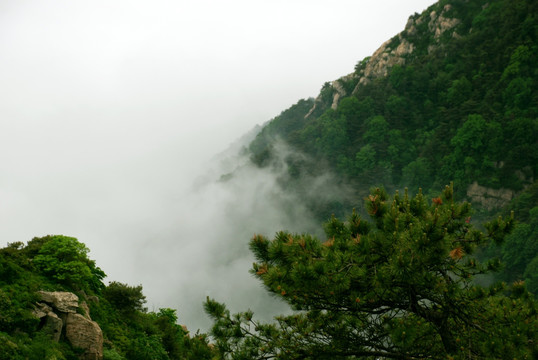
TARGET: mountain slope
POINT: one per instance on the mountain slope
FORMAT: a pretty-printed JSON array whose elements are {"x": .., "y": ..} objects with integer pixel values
[{"x": 452, "y": 97}]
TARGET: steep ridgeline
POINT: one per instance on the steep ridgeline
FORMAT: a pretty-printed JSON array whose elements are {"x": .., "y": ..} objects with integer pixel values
[{"x": 453, "y": 97}]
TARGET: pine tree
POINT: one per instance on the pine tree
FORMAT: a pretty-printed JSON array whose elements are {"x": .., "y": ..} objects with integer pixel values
[{"x": 399, "y": 287}]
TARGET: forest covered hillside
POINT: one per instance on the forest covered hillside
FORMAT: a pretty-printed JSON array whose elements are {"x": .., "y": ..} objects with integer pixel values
[{"x": 453, "y": 98}]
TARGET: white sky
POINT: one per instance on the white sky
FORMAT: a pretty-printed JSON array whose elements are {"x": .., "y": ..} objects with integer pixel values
[{"x": 110, "y": 109}]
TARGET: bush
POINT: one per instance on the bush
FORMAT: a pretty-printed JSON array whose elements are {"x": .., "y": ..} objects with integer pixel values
[
  {"x": 125, "y": 298},
  {"x": 65, "y": 260}
]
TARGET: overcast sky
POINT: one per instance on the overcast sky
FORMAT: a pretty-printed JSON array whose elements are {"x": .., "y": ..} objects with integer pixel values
[{"x": 109, "y": 110}]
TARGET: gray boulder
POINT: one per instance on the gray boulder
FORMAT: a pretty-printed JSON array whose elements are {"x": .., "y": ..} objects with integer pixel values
[
  {"x": 62, "y": 301},
  {"x": 84, "y": 334}
]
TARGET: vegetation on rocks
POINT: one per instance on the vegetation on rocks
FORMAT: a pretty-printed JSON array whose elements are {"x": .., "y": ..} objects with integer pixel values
[{"x": 61, "y": 263}]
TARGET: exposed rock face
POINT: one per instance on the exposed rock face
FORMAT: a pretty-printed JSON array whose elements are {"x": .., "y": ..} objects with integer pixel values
[
  {"x": 388, "y": 55},
  {"x": 395, "y": 51},
  {"x": 385, "y": 58},
  {"x": 439, "y": 24},
  {"x": 62, "y": 301},
  {"x": 51, "y": 323},
  {"x": 85, "y": 334},
  {"x": 41, "y": 310},
  {"x": 58, "y": 312},
  {"x": 340, "y": 91},
  {"x": 53, "y": 326},
  {"x": 489, "y": 198},
  {"x": 85, "y": 310}
]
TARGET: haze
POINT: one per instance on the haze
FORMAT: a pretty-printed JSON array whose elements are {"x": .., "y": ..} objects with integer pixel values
[{"x": 111, "y": 111}]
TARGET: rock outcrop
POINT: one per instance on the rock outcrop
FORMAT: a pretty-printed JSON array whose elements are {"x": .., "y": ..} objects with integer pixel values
[
  {"x": 85, "y": 310},
  {"x": 41, "y": 310},
  {"x": 384, "y": 58},
  {"x": 340, "y": 91},
  {"x": 84, "y": 334},
  {"x": 51, "y": 323},
  {"x": 394, "y": 52},
  {"x": 53, "y": 326},
  {"x": 58, "y": 313},
  {"x": 441, "y": 23},
  {"x": 489, "y": 198},
  {"x": 62, "y": 301}
]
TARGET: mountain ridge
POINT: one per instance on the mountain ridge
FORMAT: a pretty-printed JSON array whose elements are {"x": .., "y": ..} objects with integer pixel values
[
  {"x": 439, "y": 101},
  {"x": 427, "y": 78}
]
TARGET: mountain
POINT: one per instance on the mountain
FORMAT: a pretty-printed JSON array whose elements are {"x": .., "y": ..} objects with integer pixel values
[{"x": 453, "y": 97}]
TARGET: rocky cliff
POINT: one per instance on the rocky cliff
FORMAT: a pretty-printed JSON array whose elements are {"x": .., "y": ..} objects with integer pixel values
[{"x": 395, "y": 51}]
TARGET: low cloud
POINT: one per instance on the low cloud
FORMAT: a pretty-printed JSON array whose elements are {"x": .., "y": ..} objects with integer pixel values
[
  {"x": 109, "y": 113},
  {"x": 206, "y": 253}
]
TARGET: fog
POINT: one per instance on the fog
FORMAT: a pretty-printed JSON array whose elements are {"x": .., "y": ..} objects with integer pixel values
[{"x": 114, "y": 116}]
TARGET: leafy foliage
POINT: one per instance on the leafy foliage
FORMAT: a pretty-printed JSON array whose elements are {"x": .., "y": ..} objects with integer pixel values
[
  {"x": 520, "y": 248},
  {"x": 127, "y": 299},
  {"x": 61, "y": 263},
  {"x": 65, "y": 260},
  {"x": 400, "y": 287},
  {"x": 462, "y": 108}
]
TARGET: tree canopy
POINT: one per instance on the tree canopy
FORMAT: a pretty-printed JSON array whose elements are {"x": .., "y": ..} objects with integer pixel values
[
  {"x": 402, "y": 287},
  {"x": 65, "y": 259},
  {"x": 460, "y": 107}
]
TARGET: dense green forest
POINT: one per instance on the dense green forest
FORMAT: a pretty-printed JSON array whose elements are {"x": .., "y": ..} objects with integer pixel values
[
  {"x": 451, "y": 99},
  {"x": 459, "y": 106},
  {"x": 454, "y": 97}
]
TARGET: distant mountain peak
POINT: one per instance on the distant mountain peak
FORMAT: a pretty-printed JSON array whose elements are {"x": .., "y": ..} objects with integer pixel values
[{"x": 395, "y": 51}]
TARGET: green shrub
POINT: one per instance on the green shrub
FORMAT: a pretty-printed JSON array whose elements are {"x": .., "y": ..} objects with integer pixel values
[{"x": 65, "y": 260}]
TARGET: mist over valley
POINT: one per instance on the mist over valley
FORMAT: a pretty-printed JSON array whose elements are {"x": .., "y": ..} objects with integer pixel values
[{"x": 249, "y": 180}]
